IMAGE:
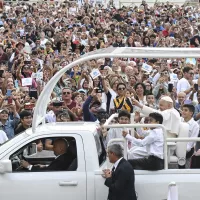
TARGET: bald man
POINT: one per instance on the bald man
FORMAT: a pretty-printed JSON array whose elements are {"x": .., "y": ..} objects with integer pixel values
[
  {"x": 171, "y": 117},
  {"x": 62, "y": 161},
  {"x": 181, "y": 100}
]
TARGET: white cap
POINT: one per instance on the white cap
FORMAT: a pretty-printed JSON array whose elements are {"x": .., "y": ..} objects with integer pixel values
[{"x": 167, "y": 98}]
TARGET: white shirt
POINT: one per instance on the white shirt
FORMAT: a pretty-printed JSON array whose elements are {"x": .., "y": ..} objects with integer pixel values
[
  {"x": 183, "y": 85},
  {"x": 104, "y": 99},
  {"x": 117, "y": 163},
  {"x": 193, "y": 132},
  {"x": 3, "y": 137},
  {"x": 154, "y": 142},
  {"x": 43, "y": 42},
  {"x": 155, "y": 78}
]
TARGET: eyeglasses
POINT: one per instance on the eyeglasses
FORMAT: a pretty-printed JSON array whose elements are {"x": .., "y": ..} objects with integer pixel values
[
  {"x": 122, "y": 88},
  {"x": 191, "y": 73},
  {"x": 164, "y": 73},
  {"x": 64, "y": 93}
]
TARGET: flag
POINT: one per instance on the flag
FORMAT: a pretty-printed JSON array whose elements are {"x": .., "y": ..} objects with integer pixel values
[{"x": 146, "y": 67}]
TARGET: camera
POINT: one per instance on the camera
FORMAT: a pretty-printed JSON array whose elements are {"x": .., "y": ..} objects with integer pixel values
[{"x": 99, "y": 90}]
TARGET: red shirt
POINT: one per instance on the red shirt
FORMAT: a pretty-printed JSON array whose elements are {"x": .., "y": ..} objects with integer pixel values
[
  {"x": 165, "y": 33},
  {"x": 72, "y": 105}
]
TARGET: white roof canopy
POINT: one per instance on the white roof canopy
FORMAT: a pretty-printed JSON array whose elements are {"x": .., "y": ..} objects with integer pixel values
[
  {"x": 147, "y": 52},
  {"x": 111, "y": 52}
]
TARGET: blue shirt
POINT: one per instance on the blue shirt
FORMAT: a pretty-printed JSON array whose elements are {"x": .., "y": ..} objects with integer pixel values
[
  {"x": 197, "y": 110},
  {"x": 87, "y": 115},
  {"x": 10, "y": 126},
  {"x": 158, "y": 29}
]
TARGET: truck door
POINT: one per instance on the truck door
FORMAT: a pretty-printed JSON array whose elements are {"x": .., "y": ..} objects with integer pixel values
[{"x": 51, "y": 185}]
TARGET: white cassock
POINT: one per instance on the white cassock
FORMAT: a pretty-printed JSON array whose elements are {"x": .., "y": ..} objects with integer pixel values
[{"x": 171, "y": 119}]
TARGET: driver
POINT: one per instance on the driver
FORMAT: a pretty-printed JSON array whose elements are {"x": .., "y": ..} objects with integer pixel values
[{"x": 62, "y": 161}]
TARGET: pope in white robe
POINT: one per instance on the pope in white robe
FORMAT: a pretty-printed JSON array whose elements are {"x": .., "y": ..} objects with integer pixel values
[{"x": 171, "y": 117}]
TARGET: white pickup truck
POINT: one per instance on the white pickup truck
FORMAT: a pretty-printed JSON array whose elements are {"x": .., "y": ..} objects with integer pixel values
[{"x": 85, "y": 182}]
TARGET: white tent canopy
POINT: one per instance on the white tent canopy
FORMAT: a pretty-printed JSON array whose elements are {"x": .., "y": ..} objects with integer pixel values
[{"x": 127, "y": 52}]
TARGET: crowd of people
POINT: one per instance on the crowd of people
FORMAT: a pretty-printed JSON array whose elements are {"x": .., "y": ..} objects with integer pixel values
[{"x": 39, "y": 39}]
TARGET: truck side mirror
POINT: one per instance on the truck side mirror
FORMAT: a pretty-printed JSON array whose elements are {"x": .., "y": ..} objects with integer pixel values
[
  {"x": 5, "y": 166},
  {"x": 32, "y": 149}
]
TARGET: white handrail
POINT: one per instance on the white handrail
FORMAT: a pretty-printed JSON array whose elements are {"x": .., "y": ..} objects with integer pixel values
[
  {"x": 148, "y": 126},
  {"x": 185, "y": 139},
  {"x": 108, "y": 121}
]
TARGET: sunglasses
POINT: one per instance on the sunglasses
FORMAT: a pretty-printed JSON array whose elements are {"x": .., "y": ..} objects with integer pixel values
[
  {"x": 122, "y": 88},
  {"x": 191, "y": 73},
  {"x": 64, "y": 93}
]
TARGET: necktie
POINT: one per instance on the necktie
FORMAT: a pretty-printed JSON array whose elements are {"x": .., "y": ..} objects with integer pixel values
[{"x": 113, "y": 169}]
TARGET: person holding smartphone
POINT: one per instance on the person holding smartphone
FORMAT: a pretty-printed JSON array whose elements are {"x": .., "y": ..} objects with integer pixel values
[
  {"x": 6, "y": 123},
  {"x": 90, "y": 107},
  {"x": 161, "y": 88}
]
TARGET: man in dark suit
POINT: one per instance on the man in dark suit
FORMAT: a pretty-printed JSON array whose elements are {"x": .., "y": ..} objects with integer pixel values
[
  {"x": 62, "y": 161},
  {"x": 121, "y": 180}
]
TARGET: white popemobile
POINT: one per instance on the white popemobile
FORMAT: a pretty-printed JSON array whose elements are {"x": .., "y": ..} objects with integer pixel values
[{"x": 86, "y": 182}]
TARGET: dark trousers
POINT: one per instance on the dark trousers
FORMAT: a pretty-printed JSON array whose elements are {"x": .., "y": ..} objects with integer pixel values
[
  {"x": 149, "y": 163},
  {"x": 188, "y": 155}
]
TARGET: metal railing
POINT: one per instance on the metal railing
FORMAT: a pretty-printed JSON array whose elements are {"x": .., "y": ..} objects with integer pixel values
[
  {"x": 148, "y": 126},
  {"x": 166, "y": 140}
]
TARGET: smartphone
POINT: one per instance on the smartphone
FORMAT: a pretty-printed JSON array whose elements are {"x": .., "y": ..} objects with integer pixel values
[
  {"x": 33, "y": 93},
  {"x": 170, "y": 87},
  {"x": 10, "y": 100},
  {"x": 9, "y": 93},
  {"x": 99, "y": 90},
  {"x": 196, "y": 87}
]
